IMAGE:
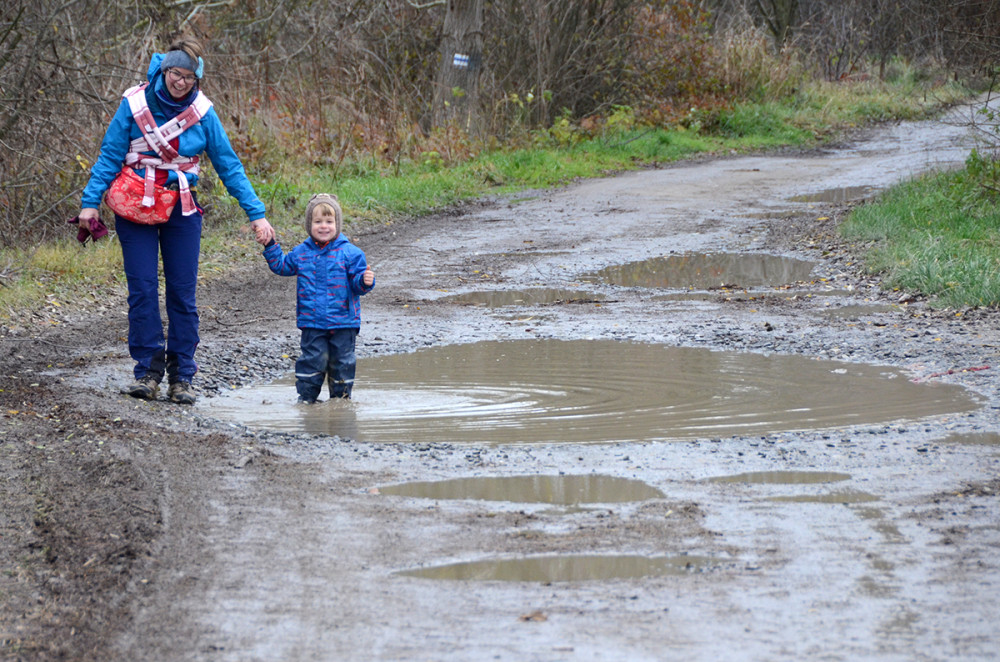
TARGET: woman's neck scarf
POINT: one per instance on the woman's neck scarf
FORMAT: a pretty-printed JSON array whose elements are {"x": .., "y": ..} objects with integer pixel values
[{"x": 168, "y": 104}]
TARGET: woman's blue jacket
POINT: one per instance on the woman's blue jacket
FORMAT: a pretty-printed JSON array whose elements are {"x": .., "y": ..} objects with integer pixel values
[{"x": 207, "y": 136}]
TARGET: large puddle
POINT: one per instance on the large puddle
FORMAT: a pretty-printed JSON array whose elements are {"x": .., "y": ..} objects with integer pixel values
[
  {"x": 550, "y": 391},
  {"x": 574, "y": 568},
  {"x": 702, "y": 271},
  {"x": 556, "y": 490}
]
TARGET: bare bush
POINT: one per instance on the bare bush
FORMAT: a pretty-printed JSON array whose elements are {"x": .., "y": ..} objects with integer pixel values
[
  {"x": 57, "y": 74},
  {"x": 567, "y": 54},
  {"x": 336, "y": 83},
  {"x": 844, "y": 35},
  {"x": 313, "y": 81},
  {"x": 673, "y": 60}
]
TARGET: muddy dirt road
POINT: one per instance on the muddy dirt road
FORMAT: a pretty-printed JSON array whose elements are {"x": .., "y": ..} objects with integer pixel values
[{"x": 567, "y": 443}]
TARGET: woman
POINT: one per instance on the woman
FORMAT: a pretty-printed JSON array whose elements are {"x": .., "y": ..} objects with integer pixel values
[{"x": 155, "y": 138}]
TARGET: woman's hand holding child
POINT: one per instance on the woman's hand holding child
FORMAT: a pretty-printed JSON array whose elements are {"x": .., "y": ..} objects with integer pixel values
[{"x": 263, "y": 231}]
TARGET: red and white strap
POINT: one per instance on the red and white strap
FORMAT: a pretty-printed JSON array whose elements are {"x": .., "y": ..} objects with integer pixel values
[{"x": 157, "y": 139}]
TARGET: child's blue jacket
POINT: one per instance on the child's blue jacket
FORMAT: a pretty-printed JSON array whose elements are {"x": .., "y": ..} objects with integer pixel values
[
  {"x": 207, "y": 136},
  {"x": 329, "y": 284}
]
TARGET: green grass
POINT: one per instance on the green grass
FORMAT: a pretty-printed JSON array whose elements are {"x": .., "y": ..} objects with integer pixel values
[
  {"x": 378, "y": 193},
  {"x": 420, "y": 188},
  {"x": 372, "y": 192},
  {"x": 939, "y": 234},
  {"x": 58, "y": 274}
]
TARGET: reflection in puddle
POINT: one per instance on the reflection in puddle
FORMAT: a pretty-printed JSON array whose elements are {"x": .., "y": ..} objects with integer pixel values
[
  {"x": 577, "y": 568},
  {"x": 533, "y": 297},
  {"x": 782, "y": 477},
  {"x": 837, "y": 195},
  {"x": 550, "y": 391},
  {"x": 974, "y": 439},
  {"x": 855, "y": 311},
  {"x": 835, "y": 497},
  {"x": 704, "y": 271},
  {"x": 558, "y": 490}
]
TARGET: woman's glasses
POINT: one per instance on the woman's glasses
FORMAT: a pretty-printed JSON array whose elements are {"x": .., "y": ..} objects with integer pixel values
[{"x": 189, "y": 78}]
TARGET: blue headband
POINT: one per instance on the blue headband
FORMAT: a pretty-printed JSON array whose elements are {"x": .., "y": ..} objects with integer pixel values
[{"x": 182, "y": 60}]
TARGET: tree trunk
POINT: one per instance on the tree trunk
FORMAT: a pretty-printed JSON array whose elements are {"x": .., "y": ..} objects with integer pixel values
[
  {"x": 780, "y": 17},
  {"x": 456, "y": 92}
]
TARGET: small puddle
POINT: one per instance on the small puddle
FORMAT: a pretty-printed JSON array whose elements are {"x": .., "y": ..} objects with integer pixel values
[
  {"x": 702, "y": 271},
  {"x": 570, "y": 568},
  {"x": 551, "y": 391},
  {"x": 534, "y": 297},
  {"x": 837, "y": 195},
  {"x": 783, "y": 477},
  {"x": 834, "y": 497},
  {"x": 557, "y": 490},
  {"x": 974, "y": 439},
  {"x": 855, "y": 311}
]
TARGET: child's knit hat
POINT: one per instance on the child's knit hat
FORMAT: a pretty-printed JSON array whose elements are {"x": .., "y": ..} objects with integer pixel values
[{"x": 323, "y": 198}]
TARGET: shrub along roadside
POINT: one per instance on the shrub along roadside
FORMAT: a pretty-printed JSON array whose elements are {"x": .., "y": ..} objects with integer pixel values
[
  {"x": 375, "y": 192},
  {"x": 938, "y": 234}
]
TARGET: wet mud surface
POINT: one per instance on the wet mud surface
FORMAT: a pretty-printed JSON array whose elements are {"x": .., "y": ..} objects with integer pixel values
[{"x": 861, "y": 521}]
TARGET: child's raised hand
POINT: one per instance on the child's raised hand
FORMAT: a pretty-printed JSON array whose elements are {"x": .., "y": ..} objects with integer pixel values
[{"x": 369, "y": 277}]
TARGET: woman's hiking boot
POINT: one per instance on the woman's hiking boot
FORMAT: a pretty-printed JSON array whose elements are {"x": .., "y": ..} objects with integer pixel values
[
  {"x": 181, "y": 393},
  {"x": 144, "y": 388}
]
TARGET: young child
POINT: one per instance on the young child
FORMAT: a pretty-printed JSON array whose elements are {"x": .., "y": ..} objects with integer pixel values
[{"x": 332, "y": 274}]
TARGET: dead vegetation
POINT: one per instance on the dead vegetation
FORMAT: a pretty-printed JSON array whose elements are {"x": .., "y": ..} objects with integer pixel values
[{"x": 330, "y": 84}]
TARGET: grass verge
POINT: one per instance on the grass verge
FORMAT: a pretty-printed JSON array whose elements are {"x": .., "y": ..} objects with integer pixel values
[{"x": 939, "y": 235}]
